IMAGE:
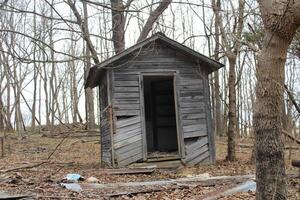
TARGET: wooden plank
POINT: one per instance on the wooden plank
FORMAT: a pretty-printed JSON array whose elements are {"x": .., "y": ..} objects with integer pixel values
[
  {"x": 126, "y": 101},
  {"x": 194, "y": 116},
  {"x": 130, "y": 153},
  {"x": 185, "y": 82},
  {"x": 127, "y": 171},
  {"x": 191, "y": 134},
  {"x": 125, "y": 94},
  {"x": 195, "y": 127},
  {"x": 124, "y": 149},
  {"x": 192, "y": 110},
  {"x": 191, "y": 98},
  {"x": 129, "y": 141},
  {"x": 127, "y": 112},
  {"x": 199, "y": 159},
  {"x": 196, "y": 153},
  {"x": 191, "y": 93},
  {"x": 192, "y": 87},
  {"x": 130, "y": 160},
  {"x": 178, "y": 116},
  {"x": 125, "y": 77},
  {"x": 127, "y": 89},
  {"x": 125, "y": 122},
  {"x": 127, "y": 135},
  {"x": 111, "y": 123},
  {"x": 143, "y": 118},
  {"x": 194, "y": 121},
  {"x": 199, "y": 104},
  {"x": 124, "y": 130},
  {"x": 210, "y": 131},
  {"x": 126, "y": 83},
  {"x": 127, "y": 107},
  {"x": 197, "y": 144}
]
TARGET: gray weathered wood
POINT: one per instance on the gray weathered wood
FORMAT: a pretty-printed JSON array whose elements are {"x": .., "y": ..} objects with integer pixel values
[
  {"x": 192, "y": 147},
  {"x": 192, "y": 106},
  {"x": 194, "y": 127},
  {"x": 127, "y": 122}
]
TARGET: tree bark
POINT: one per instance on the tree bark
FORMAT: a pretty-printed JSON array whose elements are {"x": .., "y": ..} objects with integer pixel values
[
  {"x": 231, "y": 134},
  {"x": 267, "y": 121},
  {"x": 89, "y": 95},
  {"x": 118, "y": 25},
  {"x": 281, "y": 19},
  {"x": 163, "y": 5},
  {"x": 217, "y": 115}
]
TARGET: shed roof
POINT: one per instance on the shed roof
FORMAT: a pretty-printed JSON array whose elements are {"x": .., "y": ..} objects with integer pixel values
[{"x": 96, "y": 71}]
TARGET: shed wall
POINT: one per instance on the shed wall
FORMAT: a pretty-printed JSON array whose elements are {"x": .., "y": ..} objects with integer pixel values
[{"x": 191, "y": 96}]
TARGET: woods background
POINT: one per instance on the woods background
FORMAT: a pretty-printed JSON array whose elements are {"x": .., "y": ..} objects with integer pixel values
[{"x": 48, "y": 47}]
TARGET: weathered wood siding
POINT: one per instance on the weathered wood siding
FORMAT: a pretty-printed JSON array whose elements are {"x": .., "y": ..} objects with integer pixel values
[
  {"x": 190, "y": 86},
  {"x": 128, "y": 141},
  {"x": 105, "y": 126}
]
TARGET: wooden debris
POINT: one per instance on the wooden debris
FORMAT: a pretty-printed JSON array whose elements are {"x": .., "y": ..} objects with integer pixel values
[
  {"x": 128, "y": 171},
  {"x": 244, "y": 187},
  {"x": 117, "y": 189},
  {"x": 4, "y": 195}
]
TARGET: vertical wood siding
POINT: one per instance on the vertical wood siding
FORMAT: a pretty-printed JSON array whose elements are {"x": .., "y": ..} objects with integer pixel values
[{"x": 105, "y": 126}]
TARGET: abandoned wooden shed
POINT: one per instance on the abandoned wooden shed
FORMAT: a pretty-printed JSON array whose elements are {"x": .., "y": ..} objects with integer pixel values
[{"x": 155, "y": 104}]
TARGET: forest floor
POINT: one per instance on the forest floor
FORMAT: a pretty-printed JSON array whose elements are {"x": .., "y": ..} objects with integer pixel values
[{"x": 81, "y": 155}]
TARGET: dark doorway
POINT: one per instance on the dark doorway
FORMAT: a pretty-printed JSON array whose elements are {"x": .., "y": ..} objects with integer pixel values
[{"x": 160, "y": 115}]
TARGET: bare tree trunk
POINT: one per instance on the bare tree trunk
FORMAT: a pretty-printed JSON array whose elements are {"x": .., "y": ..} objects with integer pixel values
[
  {"x": 1, "y": 113},
  {"x": 163, "y": 5},
  {"x": 52, "y": 76},
  {"x": 89, "y": 95},
  {"x": 231, "y": 54},
  {"x": 281, "y": 19},
  {"x": 217, "y": 115},
  {"x": 231, "y": 134},
  {"x": 33, "y": 108},
  {"x": 267, "y": 122},
  {"x": 118, "y": 25}
]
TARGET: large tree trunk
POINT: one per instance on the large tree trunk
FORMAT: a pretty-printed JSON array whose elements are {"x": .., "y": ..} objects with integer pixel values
[
  {"x": 267, "y": 121},
  {"x": 281, "y": 18}
]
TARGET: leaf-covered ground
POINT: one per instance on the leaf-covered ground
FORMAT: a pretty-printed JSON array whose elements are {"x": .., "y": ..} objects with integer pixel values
[{"x": 81, "y": 155}]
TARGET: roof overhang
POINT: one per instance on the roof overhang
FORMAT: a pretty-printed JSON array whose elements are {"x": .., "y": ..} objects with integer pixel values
[{"x": 96, "y": 71}]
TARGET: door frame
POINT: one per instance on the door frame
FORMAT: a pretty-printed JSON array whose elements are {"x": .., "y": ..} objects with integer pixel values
[{"x": 174, "y": 75}]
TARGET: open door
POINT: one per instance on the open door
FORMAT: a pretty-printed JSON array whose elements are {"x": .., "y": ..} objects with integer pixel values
[{"x": 160, "y": 117}]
